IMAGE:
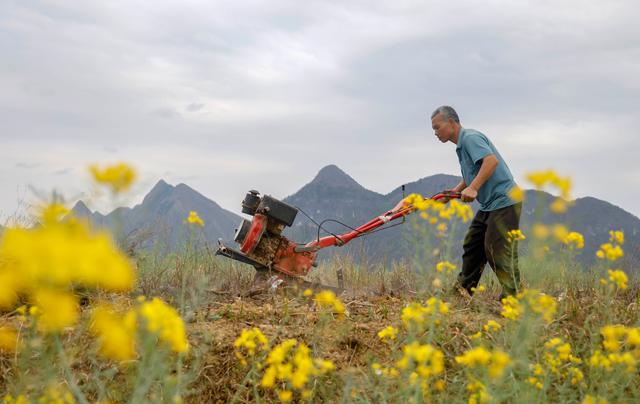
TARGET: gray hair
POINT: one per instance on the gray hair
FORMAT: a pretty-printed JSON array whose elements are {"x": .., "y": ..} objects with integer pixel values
[{"x": 447, "y": 112}]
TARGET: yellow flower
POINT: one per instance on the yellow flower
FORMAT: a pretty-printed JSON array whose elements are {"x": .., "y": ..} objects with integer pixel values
[
  {"x": 389, "y": 333},
  {"x": 540, "y": 231},
  {"x": 58, "y": 310},
  {"x": 535, "y": 301},
  {"x": 515, "y": 235},
  {"x": 445, "y": 266},
  {"x": 195, "y": 219},
  {"x": 542, "y": 178},
  {"x": 610, "y": 252},
  {"x": 589, "y": 399},
  {"x": 492, "y": 325},
  {"x": 426, "y": 360},
  {"x": 613, "y": 334},
  {"x": 293, "y": 366},
  {"x": 616, "y": 236},
  {"x": 475, "y": 357},
  {"x": 118, "y": 177},
  {"x": 560, "y": 232},
  {"x": 8, "y": 339},
  {"x": 499, "y": 361},
  {"x": 53, "y": 213},
  {"x": 558, "y": 206},
  {"x": 479, "y": 289},
  {"x": 59, "y": 255},
  {"x": 163, "y": 320},
  {"x": 619, "y": 278},
  {"x": 328, "y": 299},
  {"x": 496, "y": 361},
  {"x": 285, "y": 396},
  {"x": 251, "y": 340},
  {"x": 511, "y": 308},
  {"x": 516, "y": 194},
  {"x": 307, "y": 292},
  {"x": 574, "y": 240},
  {"x": 116, "y": 333},
  {"x": 598, "y": 360}
]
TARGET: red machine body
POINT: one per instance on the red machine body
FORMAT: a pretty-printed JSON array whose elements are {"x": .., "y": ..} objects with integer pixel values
[{"x": 263, "y": 246}]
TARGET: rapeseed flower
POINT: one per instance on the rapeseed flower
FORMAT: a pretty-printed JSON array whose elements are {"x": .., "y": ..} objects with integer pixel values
[
  {"x": 116, "y": 333},
  {"x": 195, "y": 219},
  {"x": 589, "y": 399},
  {"x": 118, "y": 177},
  {"x": 494, "y": 361},
  {"x": 616, "y": 236},
  {"x": 415, "y": 314},
  {"x": 8, "y": 339},
  {"x": 542, "y": 178},
  {"x": 445, "y": 266},
  {"x": 491, "y": 325},
  {"x": 478, "y": 392},
  {"x": 328, "y": 300},
  {"x": 558, "y": 206},
  {"x": 425, "y": 360},
  {"x": 515, "y": 235},
  {"x": 164, "y": 321},
  {"x": 290, "y": 362},
  {"x": 619, "y": 278},
  {"x": 574, "y": 240},
  {"x": 530, "y": 299},
  {"x": 58, "y": 255},
  {"x": 516, "y": 194},
  {"x": 388, "y": 334},
  {"x": 250, "y": 341},
  {"x": 540, "y": 231},
  {"x": 58, "y": 310},
  {"x": 610, "y": 252}
]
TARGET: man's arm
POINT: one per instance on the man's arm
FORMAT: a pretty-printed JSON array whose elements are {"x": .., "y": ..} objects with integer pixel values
[
  {"x": 489, "y": 164},
  {"x": 458, "y": 188}
]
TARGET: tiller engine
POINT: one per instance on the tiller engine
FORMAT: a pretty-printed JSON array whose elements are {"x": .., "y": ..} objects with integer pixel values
[{"x": 263, "y": 246}]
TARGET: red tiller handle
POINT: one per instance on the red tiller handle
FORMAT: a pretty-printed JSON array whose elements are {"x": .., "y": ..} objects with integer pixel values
[{"x": 342, "y": 239}]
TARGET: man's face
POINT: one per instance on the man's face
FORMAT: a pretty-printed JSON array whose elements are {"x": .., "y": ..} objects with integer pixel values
[{"x": 444, "y": 128}]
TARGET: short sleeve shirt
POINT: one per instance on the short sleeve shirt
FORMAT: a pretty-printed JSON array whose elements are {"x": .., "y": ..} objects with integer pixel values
[{"x": 472, "y": 147}]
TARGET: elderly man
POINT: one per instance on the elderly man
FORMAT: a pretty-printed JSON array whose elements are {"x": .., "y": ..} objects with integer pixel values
[{"x": 487, "y": 179}]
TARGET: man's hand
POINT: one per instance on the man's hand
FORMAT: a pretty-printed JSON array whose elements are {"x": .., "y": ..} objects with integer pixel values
[
  {"x": 468, "y": 194},
  {"x": 402, "y": 204}
]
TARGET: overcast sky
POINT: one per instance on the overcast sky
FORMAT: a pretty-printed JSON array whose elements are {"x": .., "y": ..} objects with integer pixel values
[{"x": 230, "y": 96}]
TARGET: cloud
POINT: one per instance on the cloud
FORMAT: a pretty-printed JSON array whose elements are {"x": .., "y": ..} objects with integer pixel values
[{"x": 237, "y": 95}]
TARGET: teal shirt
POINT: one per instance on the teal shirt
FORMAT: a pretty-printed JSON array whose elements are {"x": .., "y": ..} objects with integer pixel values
[{"x": 472, "y": 147}]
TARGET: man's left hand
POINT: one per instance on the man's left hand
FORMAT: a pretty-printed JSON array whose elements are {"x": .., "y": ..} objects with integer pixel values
[{"x": 468, "y": 194}]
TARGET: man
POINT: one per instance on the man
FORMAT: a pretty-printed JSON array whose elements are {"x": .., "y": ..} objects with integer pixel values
[{"x": 487, "y": 179}]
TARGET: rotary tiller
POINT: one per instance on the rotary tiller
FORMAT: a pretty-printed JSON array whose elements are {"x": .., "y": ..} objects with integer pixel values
[{"x": 263, "y": 246}]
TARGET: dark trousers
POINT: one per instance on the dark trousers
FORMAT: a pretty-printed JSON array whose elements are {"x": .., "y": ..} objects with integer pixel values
[{"x": 487, "y": 241}]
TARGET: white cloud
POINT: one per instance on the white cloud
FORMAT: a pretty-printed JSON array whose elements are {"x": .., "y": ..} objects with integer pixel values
[{"x": 237, "y": 95}]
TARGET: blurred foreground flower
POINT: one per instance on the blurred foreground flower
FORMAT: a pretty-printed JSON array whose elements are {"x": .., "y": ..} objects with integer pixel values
[
  {"x": 116, "y": 333},
  {"x": 118, "y": 177},
  {"x": 42, "y": 263},
  {"x": 164, "y": 321},
  {"x": 8, "y": 339}
]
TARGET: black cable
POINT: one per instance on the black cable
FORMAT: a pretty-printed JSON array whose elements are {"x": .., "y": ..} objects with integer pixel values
[{"x": 319, "y": 225}]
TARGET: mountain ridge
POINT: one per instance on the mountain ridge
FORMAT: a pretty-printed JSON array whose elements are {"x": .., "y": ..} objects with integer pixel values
[{"x": 335, "y": 196}]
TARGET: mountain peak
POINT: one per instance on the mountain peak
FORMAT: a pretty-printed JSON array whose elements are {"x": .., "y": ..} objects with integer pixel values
[
  {"x": 160, "y": 190},
  {"x": 80, "y": 209},
  {"x": 333, "y": 176}
]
